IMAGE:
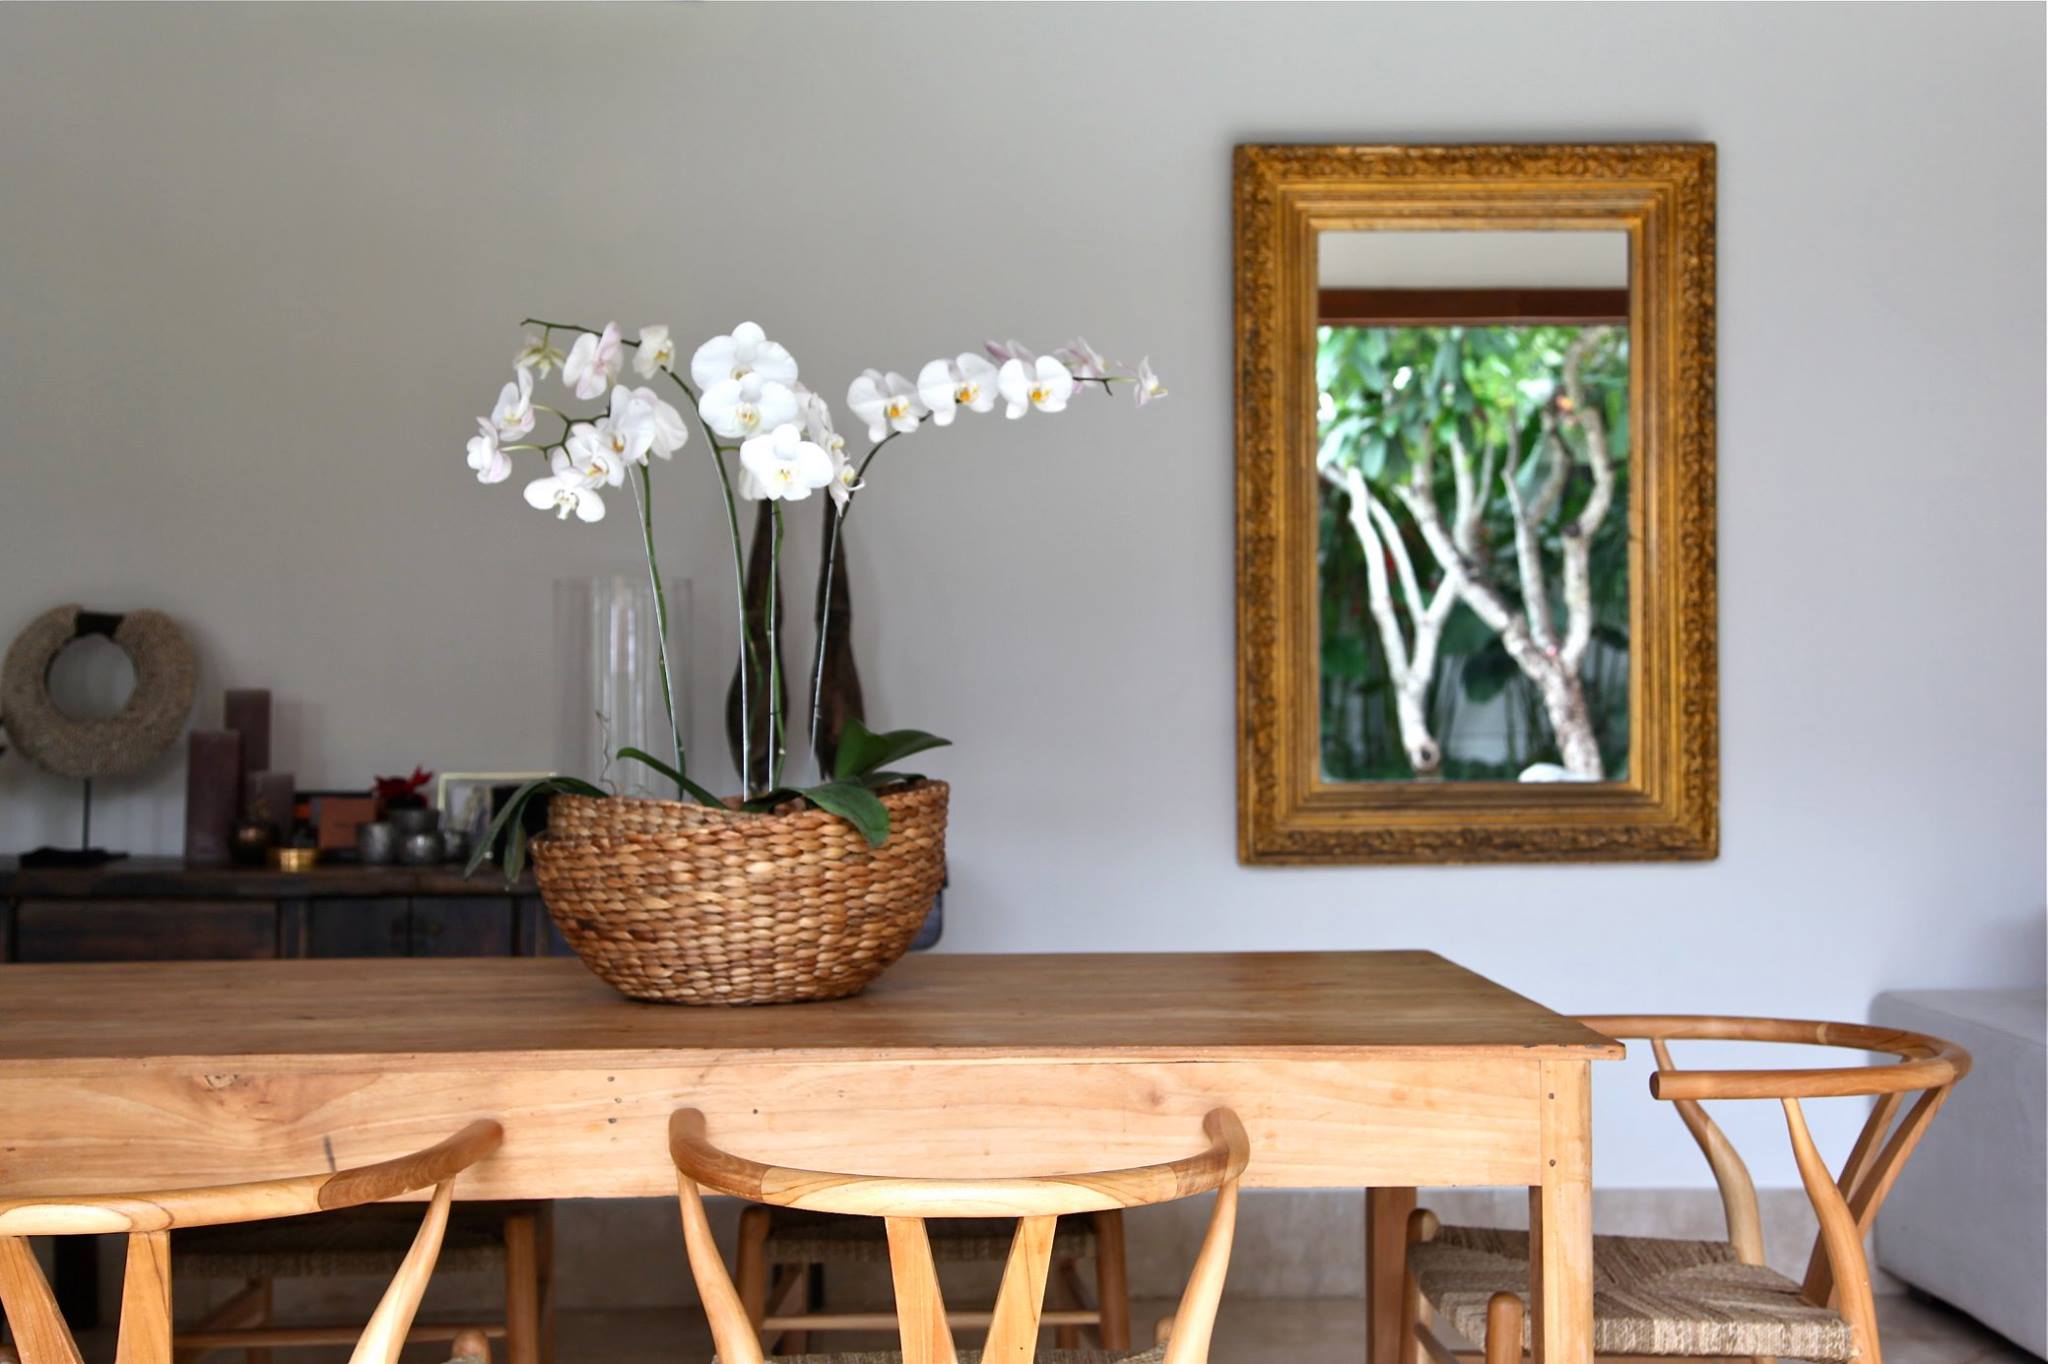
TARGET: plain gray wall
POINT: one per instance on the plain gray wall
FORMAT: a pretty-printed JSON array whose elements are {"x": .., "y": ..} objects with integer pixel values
[{"x": 263, "y": 266}]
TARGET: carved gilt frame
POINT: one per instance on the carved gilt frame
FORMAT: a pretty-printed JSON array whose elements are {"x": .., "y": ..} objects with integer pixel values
[{"x": 1662, "y": 195}]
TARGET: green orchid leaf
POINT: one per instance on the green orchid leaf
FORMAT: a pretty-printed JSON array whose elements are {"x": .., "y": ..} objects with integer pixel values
[
  {"x": 856, "y": 805},
  {"x": 683, "y": 783},
  {"x": 861, "y": 750},
  {"x": 510, "y": 817}
]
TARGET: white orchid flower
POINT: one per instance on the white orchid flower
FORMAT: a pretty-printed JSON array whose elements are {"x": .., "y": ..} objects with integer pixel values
[
  {"x": 1008, "y": 350},
  {"x": 967, "y": 381},
  {"x": 656, "y": 351},
  {"x": 565, "y": 491},
  {"x": 594, "y": 362},
  {"x": 817, "y": 421},
  {"x": 1044, "y": 384},
  {"x": 785, "y": 466},
  {"x": 742, "y": 408},
  {"x": 746, "y": 353},
  {"x": 647, "y": 422},
  {"x": 1149, "y": 385},
  {"x": 599, "y": 452},
  {"x": 1082, "y": 359},
  {"x": 845, "y": 477},
  {"x": 492, "y": 464},
  {"x": 538, "y": 354},
  {"x": 513, "y": 416},
  {"x": 886, "y": 402}
]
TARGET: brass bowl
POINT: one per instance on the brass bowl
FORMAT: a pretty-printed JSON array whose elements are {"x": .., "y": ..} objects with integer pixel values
[{"x": 294, "y": 859}]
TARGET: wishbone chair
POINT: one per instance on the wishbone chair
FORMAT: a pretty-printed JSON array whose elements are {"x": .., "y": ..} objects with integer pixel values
[
  {"x": 1710, "y": 1299},
  {"x": 904, "y": 1204},
  {"x": 42, "y": 1337}
]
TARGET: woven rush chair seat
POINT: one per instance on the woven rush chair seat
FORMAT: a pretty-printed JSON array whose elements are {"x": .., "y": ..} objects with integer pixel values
[
  {"x": 1155, "y": 1355},
  {"x": 368, "y": 1241},
  {"x": 1650, "y": 1296},
  {"x": 799, "y": 1237}
]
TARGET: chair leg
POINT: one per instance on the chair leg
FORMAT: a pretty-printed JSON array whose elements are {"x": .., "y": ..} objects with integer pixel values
[
  {"x": 751, "y": 1268},
  {"x": 1112, "y": 1281},
  {"x": 812, "y": 1279},
  {"x": 1504, "y": 1329},
  {"x": 1422, "y": 1226},
  {"x": 544, "y": 1268},
  {"x": 1065, "y": 1337},
  {"x": 522, "y": 1289}
]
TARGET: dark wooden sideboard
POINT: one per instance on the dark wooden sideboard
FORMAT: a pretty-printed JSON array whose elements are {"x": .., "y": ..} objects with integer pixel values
[{"x": 157, "y": 908}]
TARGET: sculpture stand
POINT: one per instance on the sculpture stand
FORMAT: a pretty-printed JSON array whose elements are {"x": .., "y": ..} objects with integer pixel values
[{"x": 84, "y": 855}]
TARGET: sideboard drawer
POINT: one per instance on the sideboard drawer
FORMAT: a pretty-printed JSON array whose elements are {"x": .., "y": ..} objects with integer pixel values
[
  {"x": 129, "y": 930},
  {"x": 462, "y": 926}
]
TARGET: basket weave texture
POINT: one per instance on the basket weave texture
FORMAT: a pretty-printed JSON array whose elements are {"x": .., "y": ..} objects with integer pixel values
[{"x": 686, "y": 904}]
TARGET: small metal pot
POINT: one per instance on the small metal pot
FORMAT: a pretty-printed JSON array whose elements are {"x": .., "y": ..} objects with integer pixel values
[
  {"x": 422, "y": 849},
  {"x": 416, "y": 819},
  {"x": 377, "y": 842}
]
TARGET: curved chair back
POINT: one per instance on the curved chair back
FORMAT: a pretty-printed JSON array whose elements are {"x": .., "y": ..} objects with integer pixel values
[
  {"x": 1837, "y": 1272},
  {"x": 148, "y": 1219},
  {"x": 904, "y": 1204}
]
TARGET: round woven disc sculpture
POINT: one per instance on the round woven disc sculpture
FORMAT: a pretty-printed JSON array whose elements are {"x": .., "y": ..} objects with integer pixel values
[
  {"x": 109, "y": 746},
  {"x": 685, "y": 904}
]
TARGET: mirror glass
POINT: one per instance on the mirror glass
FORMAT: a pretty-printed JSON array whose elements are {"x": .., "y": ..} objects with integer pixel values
[{"x": 1473, "y": 552}]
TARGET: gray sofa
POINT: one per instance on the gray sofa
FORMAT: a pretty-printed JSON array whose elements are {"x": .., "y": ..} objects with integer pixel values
[{"x": 1968, "y": 1221}]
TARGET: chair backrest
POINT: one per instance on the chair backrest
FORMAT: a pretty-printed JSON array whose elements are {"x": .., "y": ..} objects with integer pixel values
[
  {"x": 1036, "y": 1202},
  {"x": 1837, "y": 1273},
  {"x": 148, "y": 1219}
]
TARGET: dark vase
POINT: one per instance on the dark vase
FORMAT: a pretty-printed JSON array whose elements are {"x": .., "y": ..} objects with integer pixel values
[
  {"x": 762, "y": 579},
  {"x": 839, "y": 697}
]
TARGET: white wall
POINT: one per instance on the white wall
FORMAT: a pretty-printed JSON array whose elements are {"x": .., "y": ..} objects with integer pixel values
[{"x": 263, "y": 265}]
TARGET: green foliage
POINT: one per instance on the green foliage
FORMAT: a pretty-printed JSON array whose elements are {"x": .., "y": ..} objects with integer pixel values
[
  {"x": 510, "y": 818},
  {"x": 683, "y": 783},
  {"x": 1384, "y": 391},
  {"x": 859, "y": 773},
  {"x": 862, "y": 751}
]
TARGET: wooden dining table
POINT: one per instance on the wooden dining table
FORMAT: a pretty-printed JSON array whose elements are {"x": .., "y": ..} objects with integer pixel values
[{"x": 1376, "y": 1070}]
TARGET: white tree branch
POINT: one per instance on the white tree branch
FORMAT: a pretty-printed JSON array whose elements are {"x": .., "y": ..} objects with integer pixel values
[
  {"x": 1529, "y": 560},
  {"x": 1411, "y": 590},
  {"x": 1378, "y": 594},
  {"x": 1578, "y": 537}
]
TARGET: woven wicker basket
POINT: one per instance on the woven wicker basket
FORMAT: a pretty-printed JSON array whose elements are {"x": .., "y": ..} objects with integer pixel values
[{"x": 685, "y": 904}]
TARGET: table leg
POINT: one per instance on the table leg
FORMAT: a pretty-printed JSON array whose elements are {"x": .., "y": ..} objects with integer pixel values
[
  {"x": 1386, "y": 1252},
  {"x": 1561, "y": 1221}
]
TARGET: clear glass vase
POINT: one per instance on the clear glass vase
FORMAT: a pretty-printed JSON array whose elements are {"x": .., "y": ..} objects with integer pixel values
[{"x": 608, "y": 693}]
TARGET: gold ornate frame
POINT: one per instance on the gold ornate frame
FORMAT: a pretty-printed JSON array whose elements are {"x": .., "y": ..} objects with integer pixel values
[{"x": 1662, "y": 195}]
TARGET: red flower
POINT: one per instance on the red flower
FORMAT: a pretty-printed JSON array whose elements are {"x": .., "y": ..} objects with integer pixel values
[{"x": 391, "y": 788}]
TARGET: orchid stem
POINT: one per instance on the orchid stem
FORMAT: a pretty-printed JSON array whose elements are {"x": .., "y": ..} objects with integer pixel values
[
  {"x": 643, "y": 493},
  {"x": 824, "y": 625},
  {"x": 775, "y": 740},
  {"x": 825, "y": 606}
]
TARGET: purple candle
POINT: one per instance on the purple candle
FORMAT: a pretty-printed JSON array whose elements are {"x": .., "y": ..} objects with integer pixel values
[
  {"x": 213, "y": 794},
  {"x": 248, "y": 713}
]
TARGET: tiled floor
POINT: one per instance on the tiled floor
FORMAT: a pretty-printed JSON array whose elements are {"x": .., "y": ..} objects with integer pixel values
[
  {"x": 1249, "y": 1331},
  {"x": 1264, "y": 1331}
]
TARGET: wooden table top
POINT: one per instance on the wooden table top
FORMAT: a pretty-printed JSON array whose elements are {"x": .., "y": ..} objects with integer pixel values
[{"x": 511, "y": 1012}]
